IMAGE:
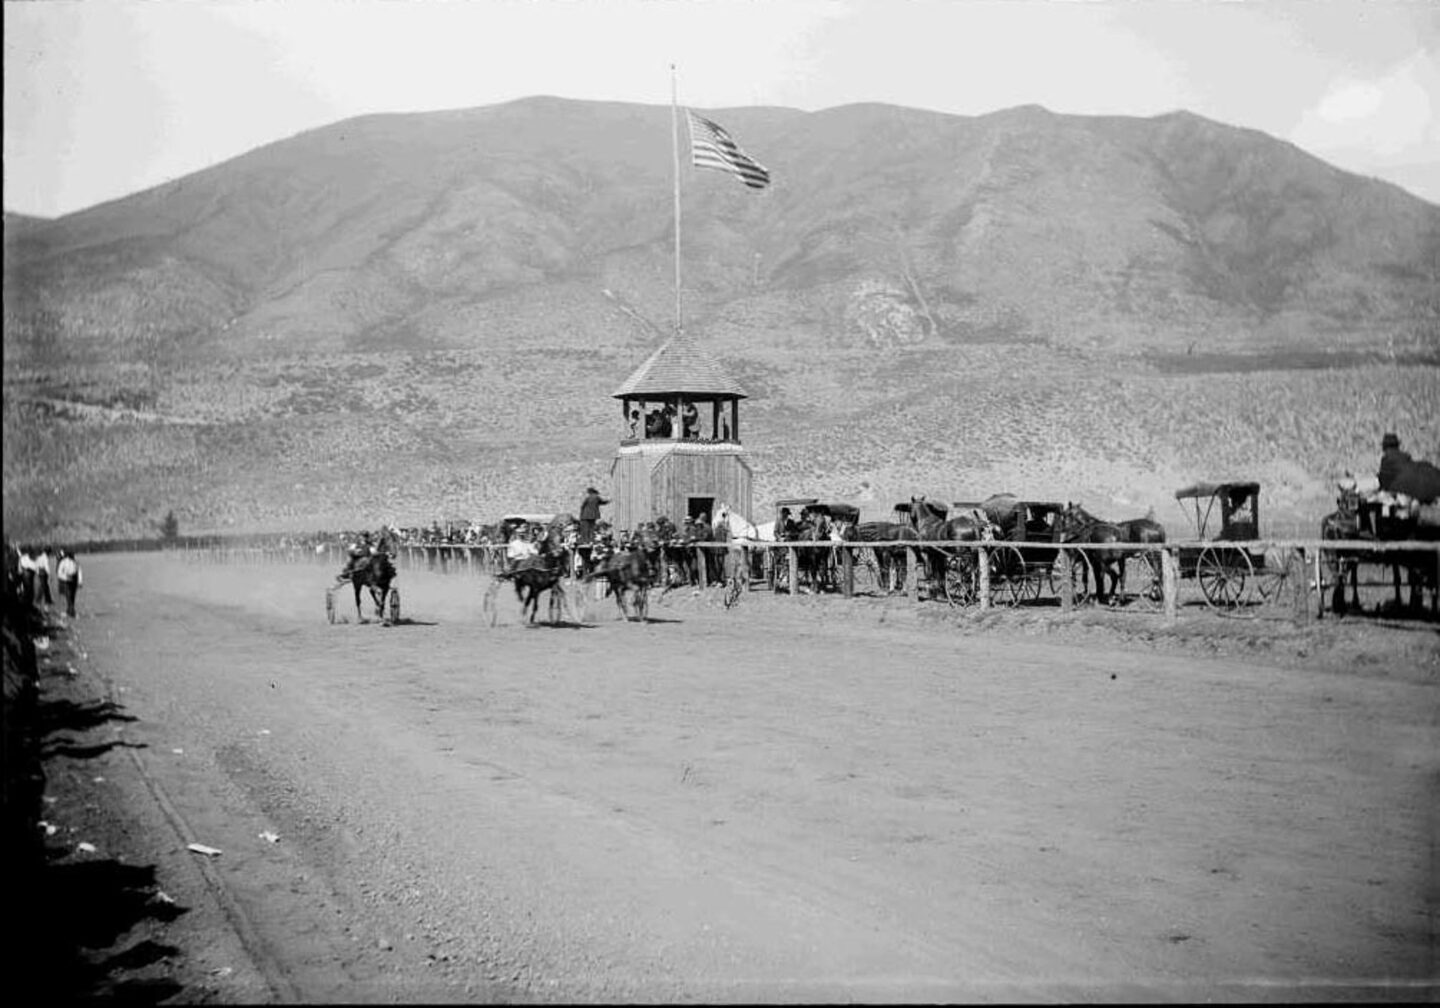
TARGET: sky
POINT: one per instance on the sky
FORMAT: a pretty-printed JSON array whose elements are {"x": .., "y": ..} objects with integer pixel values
[{"x": 103, "y": 98}]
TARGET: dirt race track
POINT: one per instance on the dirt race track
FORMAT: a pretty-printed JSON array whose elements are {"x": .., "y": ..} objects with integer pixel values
[{"x": 794, "y": 800}]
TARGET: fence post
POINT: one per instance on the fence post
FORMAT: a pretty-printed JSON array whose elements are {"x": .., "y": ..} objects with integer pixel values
[
  {"x": 847, "y": 571},
  {"x": 1067, "y": 580},
  {"x": 794, "y": 564},
  {"x": 1299, "y": 575},
  {"x": 912, "y": 561},
  {"x": 700, "y": 572},
  {"x": 1170, "y": 584},
  {"x": 983, "y": 556}
]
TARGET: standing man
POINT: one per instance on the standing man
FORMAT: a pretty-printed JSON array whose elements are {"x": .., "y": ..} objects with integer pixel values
[
  {"x": 590, "y": 514},
  {"x": 1393, "y": 461},
  {"x": 42, "y": 577},
  {"x": 27, "y": 575},
  {"x": 70, "y": 578}
]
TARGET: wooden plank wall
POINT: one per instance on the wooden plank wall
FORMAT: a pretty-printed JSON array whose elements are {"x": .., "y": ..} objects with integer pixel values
[{"x": 639, "y": 494}]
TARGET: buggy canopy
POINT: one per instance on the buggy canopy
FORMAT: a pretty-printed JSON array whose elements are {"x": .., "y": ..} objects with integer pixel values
[{"x": 1245, "y": 488}]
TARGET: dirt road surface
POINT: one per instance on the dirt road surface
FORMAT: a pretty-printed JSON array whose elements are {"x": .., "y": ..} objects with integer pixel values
[{"x": 793, "y": 800}]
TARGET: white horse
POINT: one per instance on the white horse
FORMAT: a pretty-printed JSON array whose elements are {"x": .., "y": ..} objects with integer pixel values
[{"x": 740, "y": 529}]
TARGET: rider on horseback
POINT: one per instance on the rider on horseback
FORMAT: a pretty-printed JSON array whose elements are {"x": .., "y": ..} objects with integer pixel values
[{"x": 357, "y": 556}]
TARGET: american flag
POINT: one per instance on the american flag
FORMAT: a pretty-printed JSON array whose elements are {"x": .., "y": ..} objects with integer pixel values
[{"x": 711, "y": 147}]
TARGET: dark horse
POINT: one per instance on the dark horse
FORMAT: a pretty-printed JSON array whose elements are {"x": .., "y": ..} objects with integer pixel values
[
  {"x": 1076, "y": 525},
  {"x": 631, "y": 570},
  {"x": 932, "y": 523},
  {"x": 544, "y": 572},
  {"x": 376, "y": 573}
]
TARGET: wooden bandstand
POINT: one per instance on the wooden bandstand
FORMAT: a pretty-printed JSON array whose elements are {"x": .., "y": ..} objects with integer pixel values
[{"x": 680, "y": 455}]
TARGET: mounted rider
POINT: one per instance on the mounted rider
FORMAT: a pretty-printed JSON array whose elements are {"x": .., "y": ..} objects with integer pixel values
[{"x": 357, "y": 556}]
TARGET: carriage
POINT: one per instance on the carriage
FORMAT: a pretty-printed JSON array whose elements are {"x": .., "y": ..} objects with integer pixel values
[
  {"x": 1021, "y": 573},
  {"x": 1233, "y": 571},
  {"x": 811, "y": 512}
]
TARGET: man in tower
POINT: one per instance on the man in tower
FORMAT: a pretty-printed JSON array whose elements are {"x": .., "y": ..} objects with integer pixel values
[{"x": 590, "y": 514}]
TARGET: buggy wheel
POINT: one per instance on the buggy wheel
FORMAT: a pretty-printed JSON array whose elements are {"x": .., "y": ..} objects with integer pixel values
[
  {"x": 866, "y": 570},
  {"x": 489, "y": 604},
  {"x": 962, "y": 579},
  {"x": 393, "y": 605},
  {"x": 1077, "y": 567},
  {"x": 1272, "y": 576},
  {"x": 780, "y": 569},
  {"x": 330, "y": 605},
  {"x": 1007, "y": 576},
  {"x": 1223, "y": 573},
  {"x": 1142, "y": 578}
]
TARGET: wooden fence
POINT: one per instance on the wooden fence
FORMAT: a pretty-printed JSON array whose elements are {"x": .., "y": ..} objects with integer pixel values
[{"x": 1299, "y": 588}]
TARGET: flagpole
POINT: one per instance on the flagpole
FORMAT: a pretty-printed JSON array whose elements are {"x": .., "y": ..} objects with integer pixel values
[{"x": 675, "y": 148}]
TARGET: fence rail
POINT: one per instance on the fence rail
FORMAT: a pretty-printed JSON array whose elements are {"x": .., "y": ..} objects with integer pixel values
[{"x": 1308, "y": 572}]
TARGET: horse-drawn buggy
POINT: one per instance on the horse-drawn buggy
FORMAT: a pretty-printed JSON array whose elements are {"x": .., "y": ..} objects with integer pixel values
[
  {"x": 1234, "y": 572},
  {"x": 1380, "y": 517},
  {"x": 813, "y": 521},
  {"x": 1021, "y": 572}
]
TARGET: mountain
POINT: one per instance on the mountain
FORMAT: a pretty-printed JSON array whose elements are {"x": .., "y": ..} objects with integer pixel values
[{"x": 457, "y": 292}]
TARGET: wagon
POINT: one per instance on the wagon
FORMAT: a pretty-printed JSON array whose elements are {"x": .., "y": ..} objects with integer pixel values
[{"x": 1233, "y": 571}]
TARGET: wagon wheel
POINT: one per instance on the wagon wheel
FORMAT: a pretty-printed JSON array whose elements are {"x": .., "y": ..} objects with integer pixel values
[
  {"x": 1224, "y": 573},
  {"x": 1007, "y": 576},
  {"x": 393, "y": 606},
  {"x": 489, "y": 604},
  {"x": 330, "y": 605},
  {"x": 865, "y": 569},
  {"x": 1077, "y": 567},
  {"x": 1272, "y": 575},
  {"x": 962, "y": 579}
]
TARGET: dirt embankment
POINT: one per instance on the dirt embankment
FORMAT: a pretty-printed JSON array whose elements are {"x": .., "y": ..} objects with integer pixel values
[{"x": 807, "y": 799}]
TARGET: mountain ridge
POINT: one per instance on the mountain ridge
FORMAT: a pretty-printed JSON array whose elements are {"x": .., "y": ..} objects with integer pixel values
[{"x": 458, "y": 288}]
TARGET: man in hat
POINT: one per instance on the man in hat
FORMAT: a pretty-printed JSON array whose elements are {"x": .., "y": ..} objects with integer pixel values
[
  {"x": 1393, "y": 461},
  {"x": 589, "y": 515}
]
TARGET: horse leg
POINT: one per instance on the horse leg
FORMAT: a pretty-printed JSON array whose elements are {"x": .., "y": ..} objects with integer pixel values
[{"x": 359, "y": 616}]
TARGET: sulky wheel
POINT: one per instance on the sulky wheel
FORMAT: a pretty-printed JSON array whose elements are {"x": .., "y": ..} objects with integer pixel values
[
  {"x": 330, "y": 605},
  {"x": 642, "y": 603},
  {"x": 962, "y": 579},
  {"x": 393, "y": 606},
  {"x": 1224, "y": 573},
  {"x": 734, "y": 591}
]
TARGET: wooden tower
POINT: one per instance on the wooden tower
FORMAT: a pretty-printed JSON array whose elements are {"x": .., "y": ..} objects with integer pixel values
[{"x": 681, "y": 454}]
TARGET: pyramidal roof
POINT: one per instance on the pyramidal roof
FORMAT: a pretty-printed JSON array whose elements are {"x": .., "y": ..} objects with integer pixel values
[{"x": 679, "y": 366}]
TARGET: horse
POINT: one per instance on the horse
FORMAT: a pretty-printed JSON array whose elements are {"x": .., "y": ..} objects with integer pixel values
[
  {"x": 1076, "y": 525},
  {"x": 534, "y": 576},
  {"x": 375, "y": 572},
  {"x": 741, "y": 532},
  {"x": 631, "y": 570},
  {"x": 1359, "y": 519},
  {"x": 932, "y": 522}
]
